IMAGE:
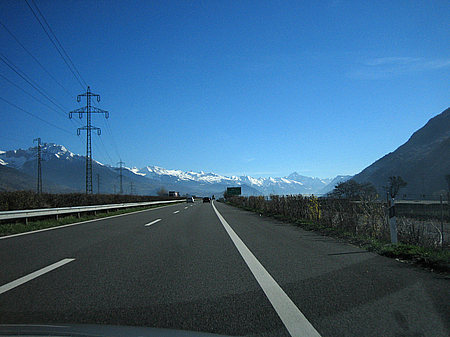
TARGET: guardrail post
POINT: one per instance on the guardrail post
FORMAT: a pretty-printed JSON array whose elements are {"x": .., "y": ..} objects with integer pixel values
[
  {"x": 26, "y": 221},
  {"x": 57, "y": 217},
  {"x": 78, "y": 215}
]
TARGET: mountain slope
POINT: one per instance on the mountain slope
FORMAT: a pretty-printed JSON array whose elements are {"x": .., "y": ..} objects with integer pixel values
[
  {"x": 12, "y": 179},
  {"x": 423, "y": 161}
]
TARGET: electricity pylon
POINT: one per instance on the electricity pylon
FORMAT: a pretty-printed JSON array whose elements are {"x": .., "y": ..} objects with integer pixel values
[
  {"x": 39, "y": 168},
  {"x": 88, "y": 110},
  {"x": 121, "y": 163}
]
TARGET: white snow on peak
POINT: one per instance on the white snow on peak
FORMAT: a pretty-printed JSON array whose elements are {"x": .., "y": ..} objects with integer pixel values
[
  {"x": 135, "y": 170},
  {"x": 2, "y": 162},
  {"x": 255, "y": 181},
  {"x": 156, "y": 172}
]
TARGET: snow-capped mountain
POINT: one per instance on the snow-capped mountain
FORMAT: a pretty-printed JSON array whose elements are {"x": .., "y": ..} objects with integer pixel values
[
  {"x": 62, "y": 167},
  {"x": 293, "y": 184},
  {"x": 18, "y": 158}
]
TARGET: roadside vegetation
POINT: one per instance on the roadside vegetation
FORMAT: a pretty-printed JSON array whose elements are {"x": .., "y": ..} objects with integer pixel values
[
  {"x": 18, "y": 200},
  {"x": 20, "y": 227},
  {"x": 353, "y": 212}
]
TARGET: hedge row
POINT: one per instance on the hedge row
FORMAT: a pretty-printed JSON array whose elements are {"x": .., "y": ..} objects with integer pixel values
[{"x": 18, "y": 200}]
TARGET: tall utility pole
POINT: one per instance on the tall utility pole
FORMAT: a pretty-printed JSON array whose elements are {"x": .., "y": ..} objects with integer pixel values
[
  {"x": 98, "y": 183},
  {"x": 121, "y": 163},
  {"x": 39, "y": 168},
  {"x": 131, "y": 188},
  {"x": 88, "y": 110}
]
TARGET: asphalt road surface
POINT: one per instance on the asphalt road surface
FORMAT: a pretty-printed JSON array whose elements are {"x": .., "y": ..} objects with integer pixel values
[{"x": 218, "y": 269}]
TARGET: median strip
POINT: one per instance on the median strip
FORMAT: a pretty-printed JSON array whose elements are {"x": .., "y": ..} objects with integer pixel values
[
  {"x": 292, "y": 318},
  {"x": 29, "y": 277}
]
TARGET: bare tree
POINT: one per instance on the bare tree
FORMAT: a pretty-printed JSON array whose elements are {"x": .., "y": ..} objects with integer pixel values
[
  {"x": 395, "y": 184},
  {"x": 162, "y": 192}
]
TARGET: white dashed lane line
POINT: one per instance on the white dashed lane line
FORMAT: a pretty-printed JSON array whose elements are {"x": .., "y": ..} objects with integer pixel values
[
  {"x": 29, "y": 277},
  {"x": 153, "y": 222},
  {"x": 176, "y": 212}
]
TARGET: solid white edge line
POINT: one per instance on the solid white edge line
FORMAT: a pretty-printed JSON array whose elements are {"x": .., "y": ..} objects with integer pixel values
[
  {"x": 153, "y": 222},
  {"x": 29, "y": 277},
  {"x": 292, "y": 318},
  {"x": 80, "y": 223}
]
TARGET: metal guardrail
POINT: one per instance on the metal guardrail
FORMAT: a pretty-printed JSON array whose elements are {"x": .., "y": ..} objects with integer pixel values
[{"x": 31, "y": 213}]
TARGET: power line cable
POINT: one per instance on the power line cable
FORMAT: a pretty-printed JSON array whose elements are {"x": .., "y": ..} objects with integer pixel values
[
  {"x": 79, "y": 79},
  {"x": 37, "y": 99},
  {"x": 35, "y": 59},
  {"x": 35, "y": 86},
  {"x": 32, "y": 83},
  {"x": 29, "y": 94},
  {"x": 106, "y": 151},
  {"x": 109, "y": 131},
  {"x": 59, "y": 43},
  {"x": 35, "y": 116}
]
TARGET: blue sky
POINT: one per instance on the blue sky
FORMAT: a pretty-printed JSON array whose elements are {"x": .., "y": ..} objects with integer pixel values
[{"x": 234, "y": 87}]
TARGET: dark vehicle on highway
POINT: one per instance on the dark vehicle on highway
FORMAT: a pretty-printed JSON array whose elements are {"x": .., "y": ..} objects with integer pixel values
[
  {"x": 189, "y": 199},
  {"x": 206, "y": 199}
]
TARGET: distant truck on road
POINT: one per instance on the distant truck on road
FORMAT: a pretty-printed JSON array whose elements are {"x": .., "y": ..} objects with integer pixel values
[{"x": 174, "y": 194}]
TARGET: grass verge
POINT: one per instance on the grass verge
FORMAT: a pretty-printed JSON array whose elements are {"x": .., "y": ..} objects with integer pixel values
[
  {"x": 19, "y": 227},
  {"x": 434, "y": 259}
]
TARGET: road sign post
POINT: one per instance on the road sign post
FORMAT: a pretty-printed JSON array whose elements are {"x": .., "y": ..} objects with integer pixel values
[{"x": 232, "y": 191}]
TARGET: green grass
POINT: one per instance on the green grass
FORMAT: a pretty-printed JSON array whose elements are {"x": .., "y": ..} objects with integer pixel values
[
  {"x": 432, "y": 258},
  {"x": 20, "y": 227}
]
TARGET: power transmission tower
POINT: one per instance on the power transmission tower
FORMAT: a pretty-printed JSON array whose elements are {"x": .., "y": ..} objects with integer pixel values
[
  {"x": 121, "y": 163},
  {"x": 88, "y": 110},
  {"x": 131, "y": 188},
  {"x": 39, "y": 168},
  {"x": 98, "y": 183}
]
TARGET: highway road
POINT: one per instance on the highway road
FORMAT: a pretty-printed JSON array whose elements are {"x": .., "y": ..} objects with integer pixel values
[{"x": 218, "y": 269}]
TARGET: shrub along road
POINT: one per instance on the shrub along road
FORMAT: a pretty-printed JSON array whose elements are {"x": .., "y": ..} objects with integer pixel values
[{"x": 181, "y": 267}]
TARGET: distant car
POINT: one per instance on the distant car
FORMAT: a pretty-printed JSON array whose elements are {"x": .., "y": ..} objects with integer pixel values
[
  {"x": 206, "y": 199},
  {"x": 189, "y": 199}
]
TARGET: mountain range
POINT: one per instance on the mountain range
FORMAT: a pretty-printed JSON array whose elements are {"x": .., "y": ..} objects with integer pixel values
[
  {"x": 423, "y": 161},
  {"x": 64, "y": 171}
]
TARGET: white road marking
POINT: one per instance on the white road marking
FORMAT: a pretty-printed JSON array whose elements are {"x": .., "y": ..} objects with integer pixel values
[
  {"x": 29, "y": 277},
  {"x": 186, "y": 207},
  {"x": 82, "y": 222},
  {"x": 176, "y": 212},
  {"x": 292, "y": 318},
  {"x": 153, "y": 222}
]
